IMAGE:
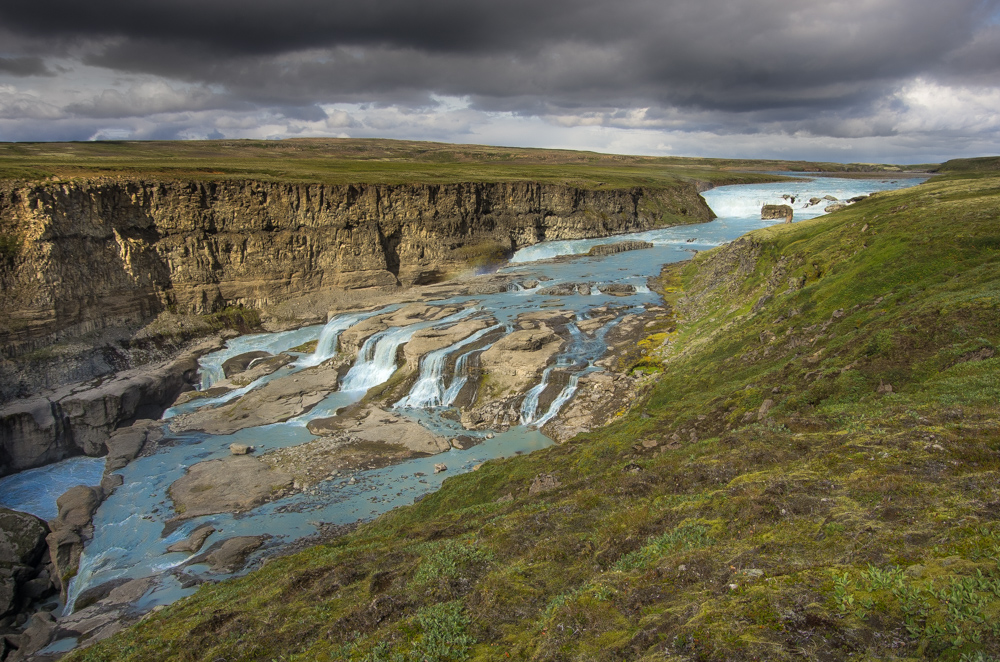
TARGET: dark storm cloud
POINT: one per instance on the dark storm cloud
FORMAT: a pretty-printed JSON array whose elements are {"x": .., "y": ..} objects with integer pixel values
[
  {"x": 818, "y": 66},
  {"x": 24, "y": 66}
]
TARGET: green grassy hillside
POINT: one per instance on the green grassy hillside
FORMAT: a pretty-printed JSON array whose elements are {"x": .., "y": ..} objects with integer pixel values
[
  {"x": 771, "y": 498},
  {"x": 348, "y": 161}
]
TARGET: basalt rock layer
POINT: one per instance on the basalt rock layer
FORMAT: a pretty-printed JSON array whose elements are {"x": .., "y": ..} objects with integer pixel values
[{"x": 88, "y": 255}]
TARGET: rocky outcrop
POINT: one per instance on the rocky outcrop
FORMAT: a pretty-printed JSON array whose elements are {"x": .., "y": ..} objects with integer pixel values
[
  {"x": 115, "y": 252},
  {"x": 71, "y": 529},
  {"x": 618, "y": 289},
  {"x": 22, "y": 552},
  {"x": 772, "y": 212},
  {"x": 515, "y": 362},
  {"x": 377, "y": 425},
  {"x": 79, "y": 419},
  {"x": 353, "y": 338}
]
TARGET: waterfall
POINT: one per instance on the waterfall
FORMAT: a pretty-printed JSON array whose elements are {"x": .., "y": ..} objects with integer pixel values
[
  {"x": 429, "y": 390},
  {"x": 211, "y": 373},
  {"x": 530, "y": 404},
  {"x": 461, "y": 375},
  {"x": 581, "y": 349},
  {"x": 458, "y": 380},
  {"x": 326, "y": 345},
  {"x": 377, "y": 359},
  {"x": 561, "y": 399}
]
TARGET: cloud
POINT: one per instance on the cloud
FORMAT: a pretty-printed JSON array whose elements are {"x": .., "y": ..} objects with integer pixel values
[
  {"x": 840, "y": 70},
  {"x": 24, "y": 66}
]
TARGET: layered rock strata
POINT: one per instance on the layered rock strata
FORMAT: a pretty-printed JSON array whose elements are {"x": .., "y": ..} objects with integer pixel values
[
  {"x": 79, "y": 419},
  {"x": 115, "y": 252}
]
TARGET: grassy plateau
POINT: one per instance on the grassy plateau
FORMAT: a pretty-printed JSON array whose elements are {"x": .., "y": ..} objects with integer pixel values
[
  {"x": 372, "y": 161},
  {"x": 812, "y": 474}
]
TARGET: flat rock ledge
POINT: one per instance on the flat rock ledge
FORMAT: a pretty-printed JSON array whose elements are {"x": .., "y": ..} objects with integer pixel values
[
  {"x": 619, "y": 247},
  {"x": 229, "y": 485}
]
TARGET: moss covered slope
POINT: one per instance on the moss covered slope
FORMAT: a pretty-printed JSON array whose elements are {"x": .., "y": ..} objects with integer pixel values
[{"x": 770, "y": 499}]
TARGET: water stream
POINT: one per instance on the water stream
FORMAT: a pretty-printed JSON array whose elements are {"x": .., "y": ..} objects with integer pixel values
[{"x": 130, "y": 540}]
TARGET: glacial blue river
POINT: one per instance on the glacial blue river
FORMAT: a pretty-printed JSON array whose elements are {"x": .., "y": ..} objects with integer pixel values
[{"x": 129, "y": 526}]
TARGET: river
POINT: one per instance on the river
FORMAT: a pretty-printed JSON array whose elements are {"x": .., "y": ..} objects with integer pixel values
[{"x": 129, "y": 541}]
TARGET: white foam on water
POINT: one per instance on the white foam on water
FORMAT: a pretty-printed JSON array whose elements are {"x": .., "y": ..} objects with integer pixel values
[
  {"x": 429, "y": 390},
  {"x": 326, "y": 344},
  {"x": 529, "y": 405},
  {"x": 210, "y": 365},
  {"x": 564, "y": 395},
  {"x": 377, "y": 359}
]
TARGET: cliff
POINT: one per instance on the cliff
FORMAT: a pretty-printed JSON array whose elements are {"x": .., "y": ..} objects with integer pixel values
[{"x": 79, "y": 257}]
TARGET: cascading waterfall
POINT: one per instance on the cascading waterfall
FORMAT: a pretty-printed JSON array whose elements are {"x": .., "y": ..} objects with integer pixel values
[
  {"x": 326, "y": 344},
  {"x": 581, "y": 349},
  {"x": 210, "y": 374},
  {"x": 461, "y": 376},
  {"x": 529, "y": 405},
  {"x": 561, "y": 399},
  {"x": 429, "y": 391},
  {"x": 377, "y": 359}
]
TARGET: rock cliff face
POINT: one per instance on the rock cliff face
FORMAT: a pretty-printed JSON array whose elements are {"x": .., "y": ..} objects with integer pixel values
[{"x": 85, "y": 256}]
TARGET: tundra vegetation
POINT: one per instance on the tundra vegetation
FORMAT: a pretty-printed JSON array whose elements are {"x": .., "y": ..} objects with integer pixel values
[
  {"x": 812, "y": 474},
  {"x": 371, "y": 161}
]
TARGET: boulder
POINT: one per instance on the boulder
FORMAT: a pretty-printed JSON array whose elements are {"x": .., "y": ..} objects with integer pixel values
[
  {"x": 230, "y": 555},
  {"x": 617, "y": 289},
  {"x": 193, "y": 542},
  {"x": 125, "y": 444},
  {"x": 560, "y": 290},
  {"x": 36, "y": 635},
  {"x": 240, "y": 449},
  {"x": 836, "y": 206},
  {"x": 240, "y": 363},
  {"x": 772, "y": 212},
  {"x": 22, "y": 548}
]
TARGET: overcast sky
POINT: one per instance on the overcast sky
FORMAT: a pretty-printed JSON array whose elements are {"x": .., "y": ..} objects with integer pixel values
[{"x": 848, "y": 80}]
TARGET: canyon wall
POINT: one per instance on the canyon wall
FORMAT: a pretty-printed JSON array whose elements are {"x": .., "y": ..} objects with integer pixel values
[{"x": 84, "y": 256}]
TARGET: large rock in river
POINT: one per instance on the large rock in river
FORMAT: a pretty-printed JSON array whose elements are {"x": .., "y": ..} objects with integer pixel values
[
  {"x": 276, "y": 401},
  {"x": 772, "y": 212},
  {"x": 515, "y": 361},
  {"x": 232, "y": 484}
]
